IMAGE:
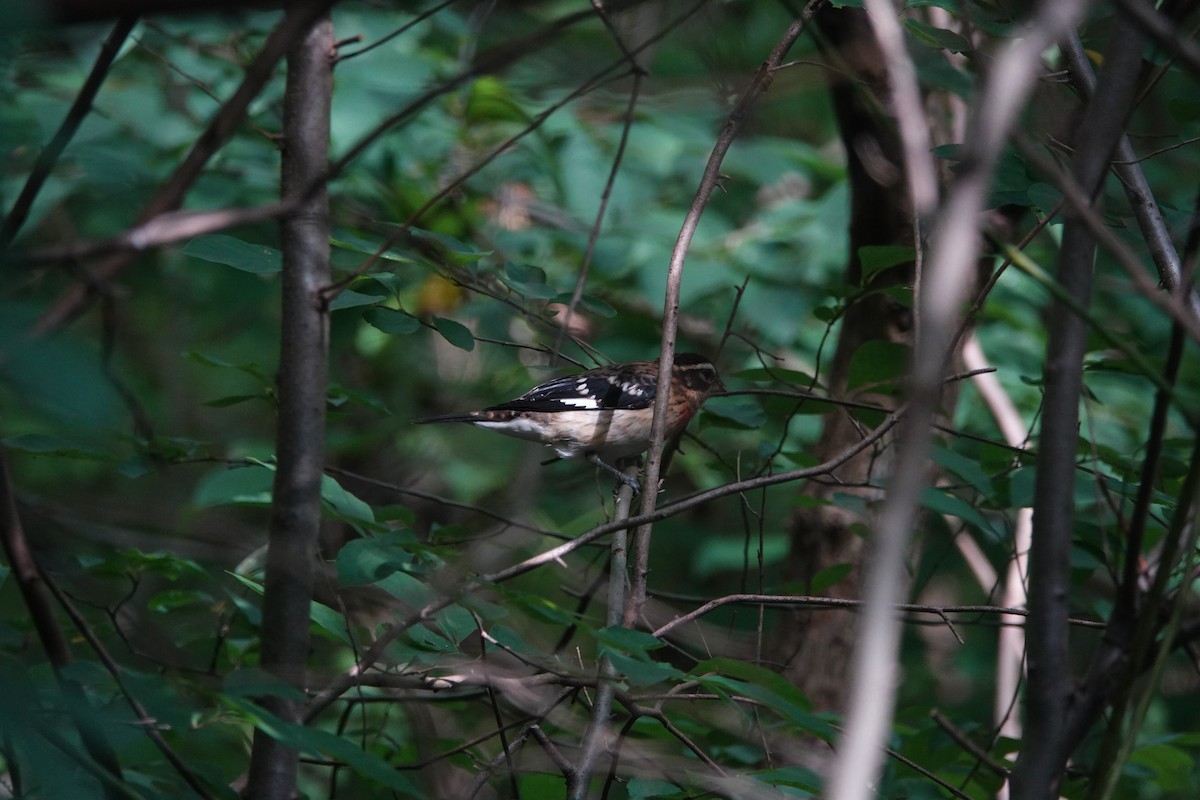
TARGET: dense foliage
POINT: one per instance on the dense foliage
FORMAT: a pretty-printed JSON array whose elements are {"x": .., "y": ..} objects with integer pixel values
[{"x": 489, "y": 163}]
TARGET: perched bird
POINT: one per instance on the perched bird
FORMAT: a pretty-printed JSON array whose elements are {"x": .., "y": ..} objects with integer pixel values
[{"x": 602, "y": 415}]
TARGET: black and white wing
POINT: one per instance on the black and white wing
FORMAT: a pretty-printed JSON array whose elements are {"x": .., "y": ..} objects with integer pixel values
[{"x": 627, "y": 386}]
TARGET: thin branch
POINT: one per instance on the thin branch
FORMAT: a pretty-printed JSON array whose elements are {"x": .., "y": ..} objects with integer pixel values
[
  {"x": 952, "y": 255},
  {"x": 347, "y": 679},
  {"x": 594, "y": 234},
  {"x": 66, "y": 130},
  {"x": 811, "y": 601},
  {"x": 1010, "y": 645},
  {"x": 708, "y": 182},
  {"x": 1164, "y": 31},
  {"x": 146, "y": 723},
  {"x": 1137, "y": 188},
  {"x": 907, "y": 105},
  {"x": 1077, "y": 202},
  {"x": 417, "y": 20},
  {"x": 171, "y": 193},
  {"x": 596, "y": 737},
  {"x": 32, "y": 585},
  {"x": 967, "y": 744}
]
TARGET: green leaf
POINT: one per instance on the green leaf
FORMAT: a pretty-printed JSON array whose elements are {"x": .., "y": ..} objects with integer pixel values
[
  {"x": 649, "y": 789},
  {"x": 966, "y": 468},
  {"x": 235, "y": 399},
  {"x": 174, "y": 599},
  {"x": 459, "y": 252},
  {"x": 771, "y": 690},
  {"x": 620, "y": 638},
  {"x": 330, "y": 621},
  {"x": 939, "y": 38},
  {"x": 490, "y": 100},
  {"x": 346, "y": 240},
  {"x": 734, "y": 412},
  {"x": 221, "y": 249},
  {"x": 322, "y": 744},
  {"x": 876, "y": 258},
  {"x": 455, "y": 333},
  {"x": 641, "y": 673},
  {"x": 389, "y": 320},
  {"x": 773, "y": 375},
  {"x": 878, "y": 363},
  {"x": 248, "y": 682},
  {"x": 251, "y": 369},
  {"x": 365, "y": 561},
  {"x": 1172, "y": 766},
  {"x": 238, "y": 486},
  {"x": 351, "y": 299},
  {"x": 527, "y": 280},
  {"x": 344, "y": 505},
  {"x": 828, "y": 577},
  {"x": 338, "y": 395},
  {"x": 942, "y": 502}
]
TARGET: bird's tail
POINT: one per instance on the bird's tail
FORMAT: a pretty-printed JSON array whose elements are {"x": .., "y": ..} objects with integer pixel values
[{"x": 463, "y": 417}]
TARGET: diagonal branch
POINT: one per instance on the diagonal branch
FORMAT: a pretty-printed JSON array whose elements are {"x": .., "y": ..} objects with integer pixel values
[
  {"x": 66, "y": 131},
  {"x": 170, "y": 194}
]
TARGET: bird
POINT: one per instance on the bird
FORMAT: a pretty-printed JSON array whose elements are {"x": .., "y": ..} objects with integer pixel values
[{"x": 603, "y": 415}]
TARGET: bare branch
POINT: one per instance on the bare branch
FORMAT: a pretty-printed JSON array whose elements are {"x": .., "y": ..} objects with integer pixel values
[
  {"x": 810, "y": 601},
  {"x": 708, "y": 182},
  {"x": 349, "y": 678},
  {"x": 946, "y": 279},
  {"x": 66, "y": 131}
]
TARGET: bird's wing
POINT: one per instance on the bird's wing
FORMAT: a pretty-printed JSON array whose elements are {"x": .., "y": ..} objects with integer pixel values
[{"x": 597, "y": 390}]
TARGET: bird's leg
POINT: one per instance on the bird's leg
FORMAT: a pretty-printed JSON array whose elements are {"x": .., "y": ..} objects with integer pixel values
[{"x": 621, "y": 476}]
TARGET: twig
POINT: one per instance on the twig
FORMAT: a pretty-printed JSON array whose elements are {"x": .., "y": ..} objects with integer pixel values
[
  {"x": 32, "y": 585},
  {"x": 967, "y": 744},
  {"x": 424, "y": 15},
  {"x": 811, "y": 601},
  {"x": 708, "y": 182},
  {"x": 1137, "y": 188},
  {"x": 170, "y": 194},
  {"x": 596, "y": 736},
  {"x": 146, "y": 723},
  {"x": 66, "y": 130},
  {"x": 348, "y": 678}
]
